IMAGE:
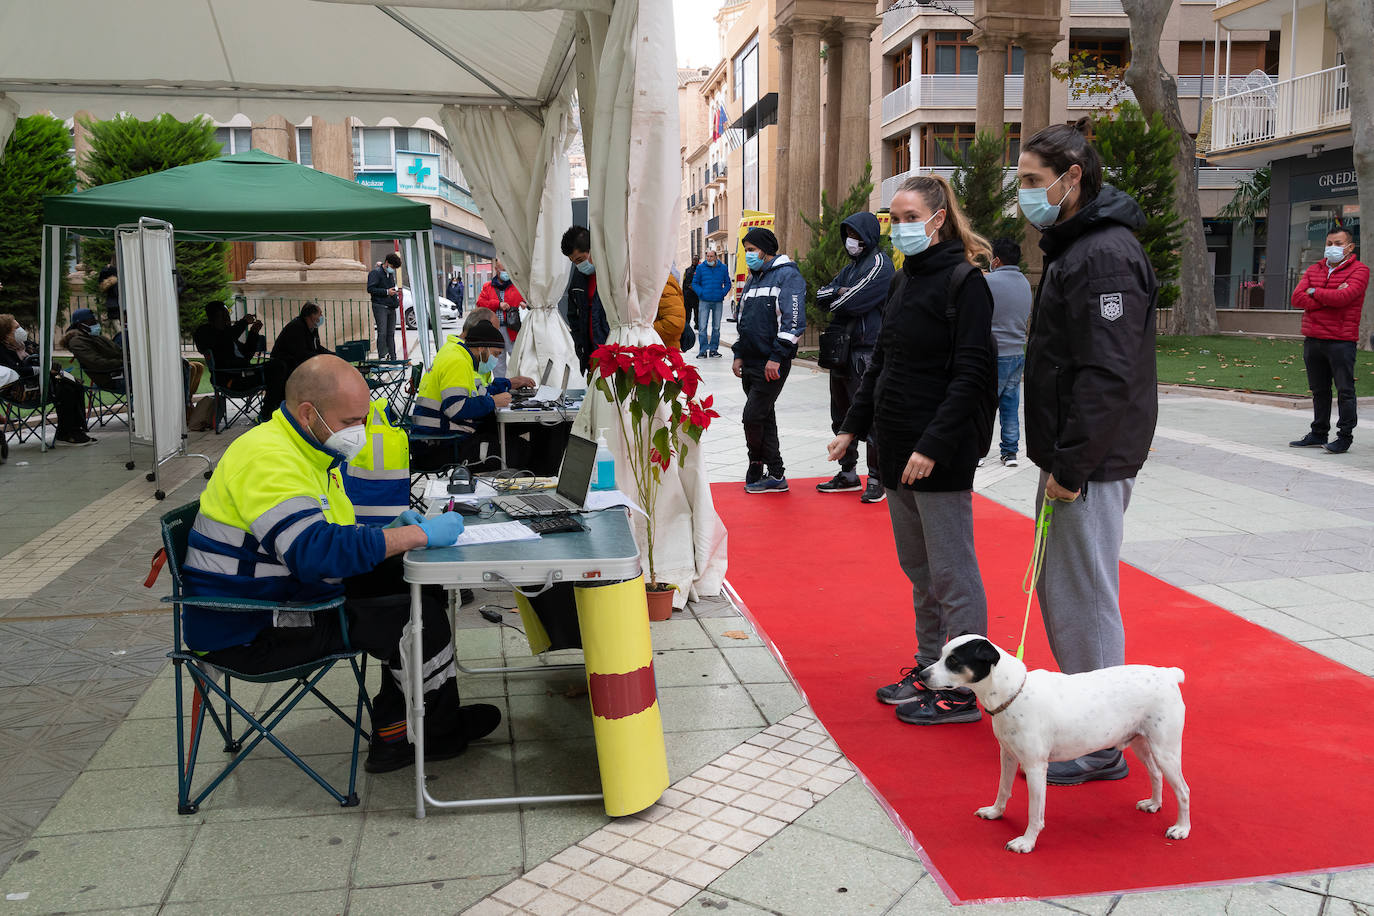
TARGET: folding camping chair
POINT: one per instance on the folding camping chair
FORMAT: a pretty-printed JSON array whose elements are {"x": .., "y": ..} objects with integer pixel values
[
  {"x": 244, "y": 402},
  {"x": 104, "y": 403},
  {"x": 205, "y": 676}
]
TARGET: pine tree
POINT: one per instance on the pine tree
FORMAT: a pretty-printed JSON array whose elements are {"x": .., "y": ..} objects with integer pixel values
[
  {"x": 125, "y": 147},
  {"x": 828, "y": 256},
  {"x": 986, "y": 193},
  {"x": 35, "y": 164},
  {"x": 1137, "y": 157}
]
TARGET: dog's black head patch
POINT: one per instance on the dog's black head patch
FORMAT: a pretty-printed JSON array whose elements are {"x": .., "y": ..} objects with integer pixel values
[{"x": 975, "y": 658}]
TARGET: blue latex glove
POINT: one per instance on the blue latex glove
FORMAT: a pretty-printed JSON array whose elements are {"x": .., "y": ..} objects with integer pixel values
[
  {"x": 408, "y": 517},
  {"x": 443, "y": 530}
]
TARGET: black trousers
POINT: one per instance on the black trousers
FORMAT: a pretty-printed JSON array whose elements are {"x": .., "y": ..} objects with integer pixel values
[
  {"x": 843, "y": 388},
  {"x": 760, "y": 417},
  {"x": 1331, "y": 362},
  {"x": 377, "y": 607}
]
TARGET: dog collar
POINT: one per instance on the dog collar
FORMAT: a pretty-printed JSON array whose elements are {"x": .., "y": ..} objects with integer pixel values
[{"x": 1002, "y": 708}]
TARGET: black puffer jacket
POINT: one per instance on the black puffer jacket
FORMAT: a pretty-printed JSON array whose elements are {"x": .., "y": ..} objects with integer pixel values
[
  {"x": 1091, "y": 397},
  {"x": 914, "y": 397}
]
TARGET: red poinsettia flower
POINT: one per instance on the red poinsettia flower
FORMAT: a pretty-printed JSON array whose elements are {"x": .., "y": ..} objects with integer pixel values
[
  {"x": 689, "y": 378},
  {"x": 701, "y": 414},
  {"x": 645, "y": 366},
  {"x": 675, "y": 358}
]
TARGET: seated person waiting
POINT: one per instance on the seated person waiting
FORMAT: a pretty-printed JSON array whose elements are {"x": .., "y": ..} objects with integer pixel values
[
  {"x": 267, "y": 531},
  {"x": 66, "y": 394},
  {"x": 231, "y": 346},
  {"x": 99, "y": 357},
  {"x": 298, "y": 341},
  {"x": 452, "y": 398}
]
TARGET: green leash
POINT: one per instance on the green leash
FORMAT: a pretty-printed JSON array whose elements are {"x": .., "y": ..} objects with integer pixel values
[{"x": 1042, "y": 527}]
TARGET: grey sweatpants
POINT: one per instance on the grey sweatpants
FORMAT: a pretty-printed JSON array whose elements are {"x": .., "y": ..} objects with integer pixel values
[
  {"x": 1080, "y": 585},
  {"x": 934, "y": 536}
]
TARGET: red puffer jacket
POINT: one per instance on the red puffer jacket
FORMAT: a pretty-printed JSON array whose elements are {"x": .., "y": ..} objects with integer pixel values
[
  {"x": 1332, "y": 312},
  {"x": 505, "y": 300}
]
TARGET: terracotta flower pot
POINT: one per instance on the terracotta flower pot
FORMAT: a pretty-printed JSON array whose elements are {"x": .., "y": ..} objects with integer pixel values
[{"x": 660, "y": 599}]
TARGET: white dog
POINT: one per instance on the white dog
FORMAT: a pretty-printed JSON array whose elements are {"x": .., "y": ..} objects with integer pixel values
[{"x": 1039, "y": 716}]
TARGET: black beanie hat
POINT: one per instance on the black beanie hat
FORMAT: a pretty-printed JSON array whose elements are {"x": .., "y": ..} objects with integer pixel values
[
  {"x": 762, "y": 239},
  {"x": 484, "y": 334}
]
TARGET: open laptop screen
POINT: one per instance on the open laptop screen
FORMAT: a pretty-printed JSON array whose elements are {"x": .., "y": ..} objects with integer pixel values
[{"x": 575, "y": 474}]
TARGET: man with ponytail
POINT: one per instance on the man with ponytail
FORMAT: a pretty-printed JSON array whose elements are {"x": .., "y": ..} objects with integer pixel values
[{"x": 1091, "y": 400}]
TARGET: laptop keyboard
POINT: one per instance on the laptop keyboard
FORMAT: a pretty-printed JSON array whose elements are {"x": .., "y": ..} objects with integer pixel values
[{"x": 545, "y": 503}]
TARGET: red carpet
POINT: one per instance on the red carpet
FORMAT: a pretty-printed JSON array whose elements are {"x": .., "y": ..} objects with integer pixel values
[{"x": 1277, "y": 747}]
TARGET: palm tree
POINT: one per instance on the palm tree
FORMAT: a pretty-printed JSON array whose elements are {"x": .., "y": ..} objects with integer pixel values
[{"x": 1250, "y": 200}]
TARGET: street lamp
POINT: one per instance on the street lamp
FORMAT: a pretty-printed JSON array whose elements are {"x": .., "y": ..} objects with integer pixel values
[{"x": 930, "y": 5}]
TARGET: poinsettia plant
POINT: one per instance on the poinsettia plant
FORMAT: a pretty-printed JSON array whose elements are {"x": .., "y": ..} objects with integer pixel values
[{"x": 641, "y": 381}]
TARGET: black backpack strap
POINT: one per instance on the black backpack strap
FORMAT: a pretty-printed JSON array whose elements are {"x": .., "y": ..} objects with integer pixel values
[{"x": 962, "y": 271}]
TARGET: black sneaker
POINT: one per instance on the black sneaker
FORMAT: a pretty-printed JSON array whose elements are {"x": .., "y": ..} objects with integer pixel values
[
  {"x": 874, "y": 492},
  {"x": 465, "y": 596},
  {"x": 768, "y": 484},
  {"x": 715, "y": 354},
  {"x": 74, "y": 439},
  {"x": 1009, "y": 461},
  {"x": 904, "y": 690},
  {"x": 703, "y": 355},
  {"x": 478, "y": 721},
  {"x": 940, "y": 707},
  {"x": 843, "y": 482},
  {"x": 1108, "y": 764},
  {"x": 1311, "y": 440},
  {"x": 1339, "y": 447}
]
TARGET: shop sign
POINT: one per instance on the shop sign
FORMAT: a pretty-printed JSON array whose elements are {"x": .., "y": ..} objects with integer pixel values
[{"x": 1336, "y": 183}]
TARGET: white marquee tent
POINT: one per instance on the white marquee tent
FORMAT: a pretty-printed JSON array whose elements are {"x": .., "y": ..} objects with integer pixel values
[{"x": 500, "y": 76}]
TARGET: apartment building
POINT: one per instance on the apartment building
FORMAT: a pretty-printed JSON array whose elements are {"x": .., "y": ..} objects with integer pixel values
[
  {"x": 925, "y": 90},
  {"x": 1297, "y": 123},
  {"x": 694, "y": 122}
]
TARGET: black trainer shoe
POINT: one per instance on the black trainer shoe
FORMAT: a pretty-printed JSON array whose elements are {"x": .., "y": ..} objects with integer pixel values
[
  {"x": 907, "y": 688},
  {"x": 478, "y": 720},
  {"x": 1311, "y": 440},
  {"x": 769, "y": 484},
  {"x": 843, "y": 482},
  {"x": 1339, "y": 447},
  {"x": 874, "y": 492},
  {"x": 940, "y": 707},
  {"x": 465, "y": 596},
  {"x": 1108, "y": 764}
]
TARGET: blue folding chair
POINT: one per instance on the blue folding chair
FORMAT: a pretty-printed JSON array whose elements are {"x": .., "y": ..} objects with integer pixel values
[{"x": 204, "y": 675}]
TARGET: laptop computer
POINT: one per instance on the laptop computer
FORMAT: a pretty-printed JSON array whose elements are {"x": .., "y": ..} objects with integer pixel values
[
  {"x": 544, "y": 397},
  {"x": 574, "y": 479},
  {"x": 523, "y": 394}
]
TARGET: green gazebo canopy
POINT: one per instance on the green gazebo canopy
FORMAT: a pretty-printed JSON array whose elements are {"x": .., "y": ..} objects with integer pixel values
[{"x": 250, "y": 196}]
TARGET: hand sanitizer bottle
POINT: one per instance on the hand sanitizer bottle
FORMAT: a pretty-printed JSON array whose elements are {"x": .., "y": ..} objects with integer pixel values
[{"x": 603, "y": 473}]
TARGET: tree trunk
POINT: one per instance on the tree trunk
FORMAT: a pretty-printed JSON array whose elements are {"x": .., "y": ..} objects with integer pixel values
[
  {"x": 1156, "y": 91},
  {"x": 1353, "y": 20}
]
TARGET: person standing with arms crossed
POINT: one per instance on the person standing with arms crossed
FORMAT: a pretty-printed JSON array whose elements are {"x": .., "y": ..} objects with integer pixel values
[{"x": 1091, "y": 401}]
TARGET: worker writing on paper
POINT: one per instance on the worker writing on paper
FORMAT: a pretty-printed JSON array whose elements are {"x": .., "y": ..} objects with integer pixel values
[{"x": 275, "y": 524}]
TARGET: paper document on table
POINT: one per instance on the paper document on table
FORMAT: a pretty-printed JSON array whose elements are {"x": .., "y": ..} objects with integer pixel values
[
  {"x": 547, "y": 393},
  {"x": 494, "y": 533},
  {"x": 438, "y": 489},
  {"x": 605, "y": 499}
]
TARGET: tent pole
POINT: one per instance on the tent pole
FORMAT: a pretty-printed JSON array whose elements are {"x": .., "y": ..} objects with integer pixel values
[
  {"x": 426, "y": 241},
  {"x": 47, "y": 316}
]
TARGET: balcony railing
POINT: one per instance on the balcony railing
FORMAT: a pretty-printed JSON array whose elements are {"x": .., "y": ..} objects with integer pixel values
[
  {"x": 1081, "y": 97},
  {"x": 1193, "y": 87},
  {"x": 893, "y": 21},
  {"x": 712, "y": 225},
  {"x": 1096, "y": 8},
  {"x": 944, "y": 90},
  {"x": 1307, "y": 104},
  {"x": 1212, "y": 179}
]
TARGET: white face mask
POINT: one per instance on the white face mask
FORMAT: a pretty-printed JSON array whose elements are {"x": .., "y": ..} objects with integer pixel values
[
  {"x": 1335, "y": 254},
  {"x": 347, "y": 442},
  {"x": 20, "y": 335},
  {"x": 853, "y": 246}
]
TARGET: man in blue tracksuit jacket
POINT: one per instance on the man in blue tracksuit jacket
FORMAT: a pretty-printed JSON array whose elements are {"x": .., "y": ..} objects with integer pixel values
[
  {"x": 772, "y": 318},
  {"x": 711, "y": 283},
  {"x": 855, "y": 301}
]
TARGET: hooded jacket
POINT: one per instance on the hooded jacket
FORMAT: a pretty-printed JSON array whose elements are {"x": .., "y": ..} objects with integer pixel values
[
  {"x": 586, "y": 317},
  {"x": 711, "y": 283},
  {"x": 856, "y": 296},
  {"x": 772, "y": 313},
  {"x": 99, "y": 357},
  {"x": 1332, "y": 312},
  {"x": 1091, "y": 398}
]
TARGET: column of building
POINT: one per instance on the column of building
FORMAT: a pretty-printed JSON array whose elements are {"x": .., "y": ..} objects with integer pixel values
[
  {"x": 274, "y": 261},
  {"x": 782, "y": 203},
  {"x": 331, "y": 151}
]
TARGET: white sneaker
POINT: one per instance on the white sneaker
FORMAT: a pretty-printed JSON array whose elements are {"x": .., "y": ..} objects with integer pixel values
[{"x": 1009, "y": 461}]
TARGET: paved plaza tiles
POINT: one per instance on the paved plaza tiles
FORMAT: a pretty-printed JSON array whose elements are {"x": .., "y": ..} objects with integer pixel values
[{"x": 764, "y": 816}]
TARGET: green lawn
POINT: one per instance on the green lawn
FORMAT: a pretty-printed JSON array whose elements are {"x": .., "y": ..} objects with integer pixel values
[{"x": 1246, "y": 363}]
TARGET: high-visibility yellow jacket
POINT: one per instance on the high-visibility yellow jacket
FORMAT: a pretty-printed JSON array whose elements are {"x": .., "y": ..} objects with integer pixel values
[
  {"x": 275, "y": 524},
  {"x": 452, "y": 394}
]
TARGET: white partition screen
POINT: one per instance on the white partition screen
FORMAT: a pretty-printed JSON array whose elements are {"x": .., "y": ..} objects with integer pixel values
[{"x": 152, "y": 335}]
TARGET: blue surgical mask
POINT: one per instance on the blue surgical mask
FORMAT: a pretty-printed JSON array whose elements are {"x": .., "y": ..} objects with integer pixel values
[
  {"x": 1335, "y": 254},
  {"x": 505, "y": 276},
  {"x": 1036, "y": 207},
  {"x": 911, "y": 238},
  {"x": 754, "y": 259},
  {"x": 586, "y": 268},
  {"x": 487, "y": 365},
  {"x": 93, "y": 327}
]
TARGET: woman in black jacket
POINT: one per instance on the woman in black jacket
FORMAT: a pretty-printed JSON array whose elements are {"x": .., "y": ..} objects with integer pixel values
[
  {"x": 63, "y": 393},
  {"x": 928, "y": 397}
]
